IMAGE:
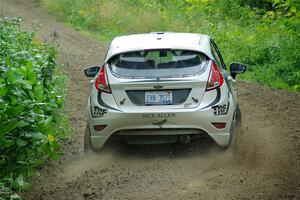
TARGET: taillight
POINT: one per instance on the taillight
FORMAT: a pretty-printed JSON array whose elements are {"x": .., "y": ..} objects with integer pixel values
[
  {"x": 215, "y": 79},
  {"x": 101, "y": 83}
]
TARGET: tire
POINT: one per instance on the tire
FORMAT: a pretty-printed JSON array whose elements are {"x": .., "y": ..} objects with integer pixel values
[
  {"x": 87, "y": 140},
  {"x": 237, "y": 118}
]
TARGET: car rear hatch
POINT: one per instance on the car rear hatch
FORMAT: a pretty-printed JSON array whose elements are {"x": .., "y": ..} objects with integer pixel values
[{"x": 155, "y": 80}]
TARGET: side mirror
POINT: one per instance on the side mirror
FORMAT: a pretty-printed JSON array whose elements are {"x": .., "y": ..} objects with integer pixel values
[
  {"x": 91, "y": 71},
  {"x": 237, "y": 68}
]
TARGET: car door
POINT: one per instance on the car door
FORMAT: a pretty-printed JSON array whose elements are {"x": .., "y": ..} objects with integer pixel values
[{"x": 220, "y": 62}]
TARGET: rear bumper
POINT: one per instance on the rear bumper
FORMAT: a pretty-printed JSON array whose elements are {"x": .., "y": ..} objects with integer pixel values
[{"x": 159, "y": 122}]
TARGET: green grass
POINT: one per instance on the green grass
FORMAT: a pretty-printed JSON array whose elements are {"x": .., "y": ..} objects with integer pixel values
[{"x": 264, "y": 35}]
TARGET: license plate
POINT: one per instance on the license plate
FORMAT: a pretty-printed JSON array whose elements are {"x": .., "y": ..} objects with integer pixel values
[{"x": 158, "y": 97}]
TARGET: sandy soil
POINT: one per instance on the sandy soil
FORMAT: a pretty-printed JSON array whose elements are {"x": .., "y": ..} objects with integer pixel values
[{"x": 263, "y": 164}]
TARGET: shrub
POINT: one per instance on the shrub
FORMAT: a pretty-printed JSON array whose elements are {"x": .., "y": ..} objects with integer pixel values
[{"x": 30, "y": 101}]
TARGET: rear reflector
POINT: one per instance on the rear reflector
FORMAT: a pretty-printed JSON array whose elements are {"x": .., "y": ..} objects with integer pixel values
[
  {"x": 99, "y": 127},
  {"x": 219, "y": 125}
]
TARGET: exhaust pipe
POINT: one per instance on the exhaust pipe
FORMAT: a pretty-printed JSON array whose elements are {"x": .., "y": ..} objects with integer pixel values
[{"x": 184, "y": 139}]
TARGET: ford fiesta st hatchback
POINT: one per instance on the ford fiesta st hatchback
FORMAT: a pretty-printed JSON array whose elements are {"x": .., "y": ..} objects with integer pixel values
[{"x": 162, "y": 87}]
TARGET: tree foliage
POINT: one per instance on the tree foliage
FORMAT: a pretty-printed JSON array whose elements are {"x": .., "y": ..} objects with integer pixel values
[{"x": 263, "y": 34}]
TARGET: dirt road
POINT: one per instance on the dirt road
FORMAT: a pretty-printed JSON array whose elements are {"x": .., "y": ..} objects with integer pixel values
[{"x": 264, "y": 164}]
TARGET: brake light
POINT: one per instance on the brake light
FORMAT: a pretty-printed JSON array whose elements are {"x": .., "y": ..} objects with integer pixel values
[
  {"x": 215, "y": 79},
  {"x": 101, "y": 83}
]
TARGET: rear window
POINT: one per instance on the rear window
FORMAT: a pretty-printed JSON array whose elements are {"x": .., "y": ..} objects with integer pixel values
[{"x": 158, "y": 63}]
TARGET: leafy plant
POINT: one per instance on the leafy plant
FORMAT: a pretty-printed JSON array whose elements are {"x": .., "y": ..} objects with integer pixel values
[{"x": 30, "y": 104}]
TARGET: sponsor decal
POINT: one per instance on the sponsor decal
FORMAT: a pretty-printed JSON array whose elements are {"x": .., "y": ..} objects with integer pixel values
[
  {"x": 159, "y": 123},
  {"x": 123, "y": 101},
  {"x": 195, "y": 100},
  {"x": 159, "y": 115},
  {"x": 99, "y": 112},
  {"x": 220, "y": 109},
  {"x": 186, "y": 105}
]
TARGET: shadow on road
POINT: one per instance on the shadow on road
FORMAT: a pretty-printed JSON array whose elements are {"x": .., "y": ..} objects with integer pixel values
[{"x": 197, "y": 147}]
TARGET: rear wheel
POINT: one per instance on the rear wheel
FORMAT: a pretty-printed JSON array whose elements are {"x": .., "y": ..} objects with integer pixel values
[
  {"x": 87, "y": 140},
  {"x": 234, "y": 127},
  {"x": 238, "y": 116}
]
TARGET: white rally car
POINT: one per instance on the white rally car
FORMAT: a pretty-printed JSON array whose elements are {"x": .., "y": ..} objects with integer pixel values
[{"x": 162, "y": 87}]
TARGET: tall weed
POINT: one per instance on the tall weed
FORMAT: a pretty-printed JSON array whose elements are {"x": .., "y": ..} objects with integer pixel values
[{"x": 31, "y": 98}]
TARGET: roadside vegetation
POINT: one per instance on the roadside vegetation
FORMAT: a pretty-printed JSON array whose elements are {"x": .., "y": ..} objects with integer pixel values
[
  {"x": 31, "y": 101},
  {"x": 262, "y": 34}
]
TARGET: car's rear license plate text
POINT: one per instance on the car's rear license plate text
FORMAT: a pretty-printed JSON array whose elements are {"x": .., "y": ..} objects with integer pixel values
[{"x": 158, "y": 97}]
